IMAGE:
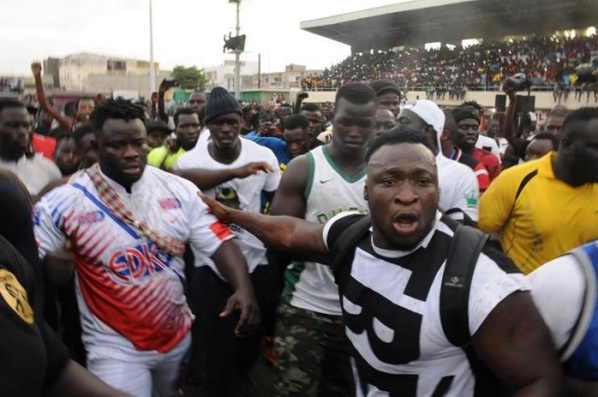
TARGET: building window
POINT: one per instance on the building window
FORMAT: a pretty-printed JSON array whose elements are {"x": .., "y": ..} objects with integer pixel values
[{"x": 117, "y": 65}]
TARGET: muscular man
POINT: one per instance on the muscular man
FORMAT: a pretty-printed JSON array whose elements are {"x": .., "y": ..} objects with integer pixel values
[
  {"x": 126, "y": 225},
  {"x": 393, "y": 292}
]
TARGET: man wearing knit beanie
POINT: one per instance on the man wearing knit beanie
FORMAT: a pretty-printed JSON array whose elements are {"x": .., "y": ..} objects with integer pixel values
[
  {"x": 389, "y": 94},
  {"x": 234, "y": 171},
  {"x": 468, "y": 126}
]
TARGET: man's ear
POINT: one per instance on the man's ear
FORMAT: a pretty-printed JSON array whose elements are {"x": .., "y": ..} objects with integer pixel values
[
  {"x": 365, "y": 192},
  {"x": 445, "y": 136}
]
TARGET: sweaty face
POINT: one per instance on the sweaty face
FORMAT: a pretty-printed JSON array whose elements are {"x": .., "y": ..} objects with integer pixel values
[
  {"x": 468, "y": 132},
  {"x": 298, "y": 141},
  {"x": 385, "y": 121},
  {"x": 15, "y": 126},
  {"x": 187, "y": 130},
  {"x": 225, "y": 131},
  {"x": 353, "y": 125},
  {"x": 84, "y": 109},
  {"x": 554, "y": 125},
  {"x": 197, "y": 101},
  {"x": 122, "y": 150},
  {"x": 66, "y": 157},
  {"x": 315, "y": 121},
  {"x": 537, "y": 148},
  {"x": 402, "y": 193},
  {"x": 391, "y": 102}
]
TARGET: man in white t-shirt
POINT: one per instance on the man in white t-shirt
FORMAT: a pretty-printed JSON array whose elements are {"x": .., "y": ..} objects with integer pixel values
[
  {"x": 34, "y": 171},
  {"x": 214, "y": 168},
  {"x": 395, "y": 288},
  {"x": 458, "y": 185}
]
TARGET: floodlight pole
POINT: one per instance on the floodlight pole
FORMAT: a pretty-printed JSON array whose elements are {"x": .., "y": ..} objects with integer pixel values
[
  {"x": 237, "y": 53},
  {"x": 152, "y": 72}
]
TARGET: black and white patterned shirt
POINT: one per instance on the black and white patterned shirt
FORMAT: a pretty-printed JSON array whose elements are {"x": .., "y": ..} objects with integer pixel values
[{"x": 391, "y": 308}]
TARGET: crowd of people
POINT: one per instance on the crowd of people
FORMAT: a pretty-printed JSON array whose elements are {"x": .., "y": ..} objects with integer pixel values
[
  {"x": 546, "y": 60},
  {"x": 364, "y": 247}
]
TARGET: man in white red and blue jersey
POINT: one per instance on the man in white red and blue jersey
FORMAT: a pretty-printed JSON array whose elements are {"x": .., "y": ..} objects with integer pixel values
[{"x": 123, "y": 226}]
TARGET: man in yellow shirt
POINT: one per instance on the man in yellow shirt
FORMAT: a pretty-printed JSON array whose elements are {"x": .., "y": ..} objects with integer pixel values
[
  {"x": 188, "y": 127},
  {"x": 546, "y": 207}
]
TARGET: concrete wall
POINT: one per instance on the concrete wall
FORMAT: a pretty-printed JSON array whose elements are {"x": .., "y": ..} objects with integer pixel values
[{"x": 544, "y": 100}]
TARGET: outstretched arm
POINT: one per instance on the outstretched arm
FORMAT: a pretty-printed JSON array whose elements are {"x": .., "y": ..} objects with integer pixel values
[
  {"x": 281, "y": 232},
  {"x": 161, "y": 108},
  {"x": 66, "y": 122},
  {"x": 208, "y": 179}
]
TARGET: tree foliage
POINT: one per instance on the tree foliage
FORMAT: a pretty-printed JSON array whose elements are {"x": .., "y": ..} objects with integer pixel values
[{"x": 190, "y": 78}]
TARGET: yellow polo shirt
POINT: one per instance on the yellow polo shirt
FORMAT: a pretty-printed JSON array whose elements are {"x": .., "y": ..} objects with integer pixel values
[
  {"x": 548, "y": 218},
  {"x": 160, "y": 157}
]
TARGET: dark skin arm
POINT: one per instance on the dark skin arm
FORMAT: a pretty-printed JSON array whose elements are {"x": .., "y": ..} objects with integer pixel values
[
  {"x": 76, "y": 381},
  {"x": 300, "y": 97},
  {"x": 281, "y": 232},
  {"x": 161, "y": 108},
  {"x": 154, "y": 104},
  {"x": 230, "y": 262},
  {"x": 66, "y": 122},
  {"x": 290, "y": 198},
  {"x": 59, "y": 265},
  {"x": 516, "y": 345},
  {"x": 517, "y": 142},
  {"x": 208, "y": 179}
]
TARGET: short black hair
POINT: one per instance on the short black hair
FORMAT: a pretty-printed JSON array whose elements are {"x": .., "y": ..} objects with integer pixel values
[
  {"x": 296, "y": 121},
  {"x": 80, "y": 132},
  {"x": 399, "y": 134},
  {"x": 266, "y": 114},
  {"x": 357, "y": 93},
  {"x": 548, "y": 136},
  {"x": 310, "y": 107},
  {"x": 9, "y": 103},
  {"x": 582, "y": 115},
  {"x": 473, "y": 104},
  {"x": 115, "y": 109},
  {"x": 185, "y": 111}
]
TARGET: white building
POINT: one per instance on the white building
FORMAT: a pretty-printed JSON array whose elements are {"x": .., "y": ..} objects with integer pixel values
[{"x": 224, "y": 75}]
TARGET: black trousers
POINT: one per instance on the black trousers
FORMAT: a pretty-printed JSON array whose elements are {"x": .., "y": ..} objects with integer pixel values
[{"x": 228, "y": 358}]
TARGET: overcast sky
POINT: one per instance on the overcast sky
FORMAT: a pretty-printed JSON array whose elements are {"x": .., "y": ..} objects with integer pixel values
[{"x": 186, "y": 32}]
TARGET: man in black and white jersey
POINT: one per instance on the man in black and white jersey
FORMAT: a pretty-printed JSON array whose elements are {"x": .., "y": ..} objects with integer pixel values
[{"x": 391, "y": 300}]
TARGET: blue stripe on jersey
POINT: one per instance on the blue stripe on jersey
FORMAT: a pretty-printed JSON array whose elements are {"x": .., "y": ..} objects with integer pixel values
[{"x": 106, "y": 210}]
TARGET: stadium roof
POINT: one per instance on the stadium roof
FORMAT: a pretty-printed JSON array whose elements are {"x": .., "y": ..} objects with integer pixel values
[{"x": 450, "y": 21}]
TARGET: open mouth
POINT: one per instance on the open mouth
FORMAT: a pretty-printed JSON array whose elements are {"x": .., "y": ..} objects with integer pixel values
[{"x": 405, "y": 222}]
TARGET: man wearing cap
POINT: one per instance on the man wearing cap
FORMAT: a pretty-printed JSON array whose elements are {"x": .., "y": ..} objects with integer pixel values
[
  {"x": 459, "y": 190},
  {"x": 188, "y": 128},
  {"x": 157, "y": 132},
  {"x": 235, "y": 172},
  {"x": 468, "y": 131},
  {"x": 389, "y": 94}
]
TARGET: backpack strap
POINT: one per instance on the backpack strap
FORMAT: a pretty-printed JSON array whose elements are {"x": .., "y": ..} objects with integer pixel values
[
  {"x": 466, "y": 246},
  {"x": 343, "y": 250}
]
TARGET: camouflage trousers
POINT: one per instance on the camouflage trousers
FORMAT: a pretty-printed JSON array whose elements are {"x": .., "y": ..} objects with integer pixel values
[{"x": 312, "y": 355}]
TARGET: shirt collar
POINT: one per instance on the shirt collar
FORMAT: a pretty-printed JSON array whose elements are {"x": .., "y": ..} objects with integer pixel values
[
  {"x": 422, "y": 244},
  {"x": 545, "y": 169}
]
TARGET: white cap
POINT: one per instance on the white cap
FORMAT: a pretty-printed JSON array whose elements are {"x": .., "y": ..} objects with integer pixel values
[{"x": 429, "y": 112}]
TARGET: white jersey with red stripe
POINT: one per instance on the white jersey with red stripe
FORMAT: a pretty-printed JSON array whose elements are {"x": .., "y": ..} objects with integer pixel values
[{"x": 130, "y": 292}]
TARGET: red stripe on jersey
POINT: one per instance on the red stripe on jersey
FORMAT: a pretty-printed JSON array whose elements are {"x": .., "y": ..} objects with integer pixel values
[{"x": 221, "y": 230}]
